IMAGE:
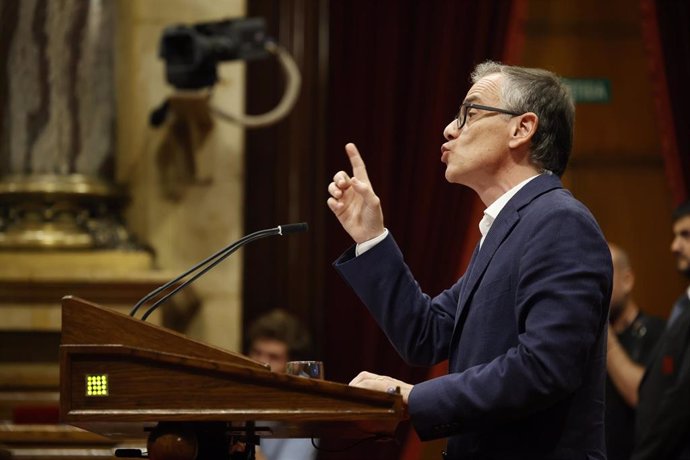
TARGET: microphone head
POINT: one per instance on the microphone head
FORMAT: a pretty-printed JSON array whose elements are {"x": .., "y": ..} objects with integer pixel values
[{"x": 293, "y": 228}]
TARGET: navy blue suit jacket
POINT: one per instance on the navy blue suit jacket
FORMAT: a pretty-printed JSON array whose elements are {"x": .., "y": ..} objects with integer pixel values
[{"x": 524, "y": 332}]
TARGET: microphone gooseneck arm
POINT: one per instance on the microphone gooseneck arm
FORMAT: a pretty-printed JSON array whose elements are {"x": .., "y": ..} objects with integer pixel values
[{"x": 207, "y": 264}]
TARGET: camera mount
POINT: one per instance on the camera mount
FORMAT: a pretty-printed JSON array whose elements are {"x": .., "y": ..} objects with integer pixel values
[{"x": 192, "y": 53}]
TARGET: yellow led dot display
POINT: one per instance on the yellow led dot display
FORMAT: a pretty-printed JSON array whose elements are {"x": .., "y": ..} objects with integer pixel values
[{"x": 97, "y": 385}]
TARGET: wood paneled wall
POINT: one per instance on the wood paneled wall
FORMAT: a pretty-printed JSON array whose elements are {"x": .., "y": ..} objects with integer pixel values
[{"x": 616, "y": 168}]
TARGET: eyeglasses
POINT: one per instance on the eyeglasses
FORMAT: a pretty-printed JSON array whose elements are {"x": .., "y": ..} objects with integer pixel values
[{"x": 461, "y": 118}]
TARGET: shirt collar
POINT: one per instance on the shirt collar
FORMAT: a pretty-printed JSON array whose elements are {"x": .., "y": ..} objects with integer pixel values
[{"x": 492, "y": 211}]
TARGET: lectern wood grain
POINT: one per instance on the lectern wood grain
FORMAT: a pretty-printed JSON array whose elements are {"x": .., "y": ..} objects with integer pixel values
[{"x": 147, "y": 374}]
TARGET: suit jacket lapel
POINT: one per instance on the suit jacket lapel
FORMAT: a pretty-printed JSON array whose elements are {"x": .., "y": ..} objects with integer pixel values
[
  {"x": 504, "y": 223},
  {"x": 475, "y": 271}
]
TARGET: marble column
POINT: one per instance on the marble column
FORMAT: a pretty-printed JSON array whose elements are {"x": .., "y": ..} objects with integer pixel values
[{"x": 57, "y": 125}]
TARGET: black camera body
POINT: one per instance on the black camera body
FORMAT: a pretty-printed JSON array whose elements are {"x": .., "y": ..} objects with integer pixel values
[{"x": 191, "y": 53}]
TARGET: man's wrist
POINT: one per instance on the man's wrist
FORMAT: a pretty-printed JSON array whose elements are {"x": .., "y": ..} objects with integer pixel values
[{"x": 361, "y": 248}]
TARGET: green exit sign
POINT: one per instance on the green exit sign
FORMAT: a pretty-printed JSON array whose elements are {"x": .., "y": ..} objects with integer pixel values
[{"x": 589, "y": 90}]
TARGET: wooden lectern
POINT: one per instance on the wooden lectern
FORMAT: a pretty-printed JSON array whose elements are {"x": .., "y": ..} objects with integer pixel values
[{"x": 124, "y": 378}]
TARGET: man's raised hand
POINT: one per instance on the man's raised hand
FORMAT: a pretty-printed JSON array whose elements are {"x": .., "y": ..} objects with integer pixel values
[{"x": 354, "y": 202}]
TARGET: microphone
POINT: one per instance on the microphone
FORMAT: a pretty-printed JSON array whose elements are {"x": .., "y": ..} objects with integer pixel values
[{"x": 208, "y": 263}]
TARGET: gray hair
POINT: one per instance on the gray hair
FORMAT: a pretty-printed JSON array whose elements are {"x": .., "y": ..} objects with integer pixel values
[{"x": 543, "y": 93}]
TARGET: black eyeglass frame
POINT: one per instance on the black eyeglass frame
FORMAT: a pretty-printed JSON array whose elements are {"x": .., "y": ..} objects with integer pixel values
[{"x": 488, "y": 108}]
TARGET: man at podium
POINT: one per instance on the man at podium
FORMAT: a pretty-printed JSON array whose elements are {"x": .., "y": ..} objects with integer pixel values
[{"x": 524, "y": 329}]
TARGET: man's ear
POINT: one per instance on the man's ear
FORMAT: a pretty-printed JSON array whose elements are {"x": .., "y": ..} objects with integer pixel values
[
  {"x": 628, "y": 281},
  {"x": 523, "y": 130}
]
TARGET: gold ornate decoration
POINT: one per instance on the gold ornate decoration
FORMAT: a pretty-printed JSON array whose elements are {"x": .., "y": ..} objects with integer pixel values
[{"x": 46, "y": 211}]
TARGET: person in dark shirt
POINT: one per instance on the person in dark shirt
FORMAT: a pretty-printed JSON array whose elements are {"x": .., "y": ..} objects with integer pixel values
[
  {"x": 637, "y": 333},
  {"x": 661, "y": 389},
  {"x": 662, "y": 428}
]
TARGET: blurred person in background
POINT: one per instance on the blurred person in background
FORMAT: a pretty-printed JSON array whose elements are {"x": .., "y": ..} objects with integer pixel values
[
  {"x": 662, "y": 429},
  {"x": 274, "y": 339},
  {"x": 635, "y": 334}
]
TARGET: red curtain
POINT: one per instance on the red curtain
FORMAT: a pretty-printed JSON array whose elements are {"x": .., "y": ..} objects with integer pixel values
[
  {"x": 666, "y": 28},
  {"x": 398, "y": 71}
]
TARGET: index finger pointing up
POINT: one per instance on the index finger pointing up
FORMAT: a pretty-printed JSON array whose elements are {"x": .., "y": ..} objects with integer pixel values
[{"x": 359, "y": 170}]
